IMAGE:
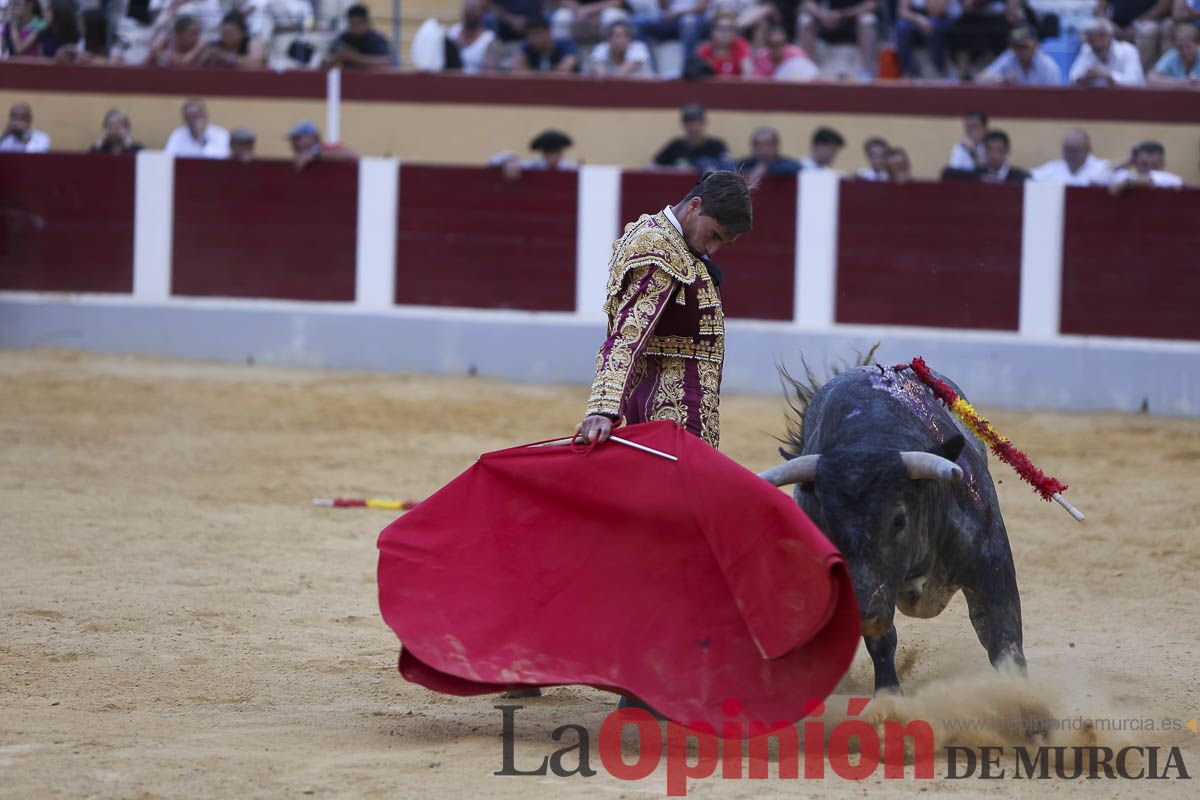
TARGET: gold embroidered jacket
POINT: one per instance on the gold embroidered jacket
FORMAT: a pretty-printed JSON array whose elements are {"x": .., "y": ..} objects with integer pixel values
[{"x": 666, "y": 333}]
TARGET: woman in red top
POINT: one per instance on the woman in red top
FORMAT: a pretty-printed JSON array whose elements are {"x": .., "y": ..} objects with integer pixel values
[{"x": 727, "y": 53}]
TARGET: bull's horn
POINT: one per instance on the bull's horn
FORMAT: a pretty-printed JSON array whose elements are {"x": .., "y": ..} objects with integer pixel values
[
  {"x": 802, "y": 469},
  {"x": 930, "y": 467}
]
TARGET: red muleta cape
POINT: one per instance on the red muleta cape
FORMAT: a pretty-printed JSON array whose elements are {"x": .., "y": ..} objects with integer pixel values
[{"x": 681, "y": 583}]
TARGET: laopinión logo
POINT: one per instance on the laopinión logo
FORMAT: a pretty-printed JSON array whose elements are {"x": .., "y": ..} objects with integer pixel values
[{"x": 901, "y": 745}]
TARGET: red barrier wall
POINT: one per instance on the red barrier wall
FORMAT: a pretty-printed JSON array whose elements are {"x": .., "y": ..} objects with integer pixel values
[
  {"x": 1131, "y": 264},
  {"x": 929, "y": 254},
  {"x": 265, "y": 230},
  {"x": 759, "y": 269},
  {"x": 469, "y": 238},
  {"x": 67, "y": 223}
]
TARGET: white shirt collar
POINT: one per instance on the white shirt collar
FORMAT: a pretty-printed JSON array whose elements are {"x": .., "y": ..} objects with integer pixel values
[{"x": 671, "y": 216}]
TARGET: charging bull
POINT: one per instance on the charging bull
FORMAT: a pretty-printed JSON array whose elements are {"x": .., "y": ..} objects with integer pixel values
[{"x": 903, "y": 490}]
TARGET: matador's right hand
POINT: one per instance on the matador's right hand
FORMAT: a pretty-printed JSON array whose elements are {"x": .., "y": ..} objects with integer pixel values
[{"x": 594, "y": 428}]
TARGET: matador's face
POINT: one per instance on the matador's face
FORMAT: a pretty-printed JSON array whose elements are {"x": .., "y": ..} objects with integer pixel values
[{"x": 704, "y": 235}]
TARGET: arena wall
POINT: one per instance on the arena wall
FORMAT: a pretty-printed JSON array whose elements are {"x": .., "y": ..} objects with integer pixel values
[
  {"x": 378, "y": 265},
  {"x": 464, "y": 120}
]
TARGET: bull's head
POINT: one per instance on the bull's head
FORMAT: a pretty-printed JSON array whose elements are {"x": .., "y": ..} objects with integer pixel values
[{"x": 874, "y": 505}]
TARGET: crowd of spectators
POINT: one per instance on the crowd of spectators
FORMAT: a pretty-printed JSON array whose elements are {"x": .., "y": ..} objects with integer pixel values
[
  {"x": 981, "y": 155},
  {"x": 197, "y": 137},
  {"x": 1126, "y": 43}
]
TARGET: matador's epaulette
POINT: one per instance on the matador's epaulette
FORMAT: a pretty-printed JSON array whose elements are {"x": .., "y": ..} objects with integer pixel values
[{"x": 652, "y": 241}]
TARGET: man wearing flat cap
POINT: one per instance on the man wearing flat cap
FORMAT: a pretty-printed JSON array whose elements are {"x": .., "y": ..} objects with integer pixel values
[
  {"x": 308, "y": 147},
  {"x": 550, "y": 143},
  {"x": 241, "y": 145},
  {"x": 1023, "y": 63}
]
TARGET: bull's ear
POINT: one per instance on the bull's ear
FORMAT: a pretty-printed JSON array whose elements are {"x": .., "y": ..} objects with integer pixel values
[
  {"x": 950, "y": 449},
  {"x": 787, "y": 454}
]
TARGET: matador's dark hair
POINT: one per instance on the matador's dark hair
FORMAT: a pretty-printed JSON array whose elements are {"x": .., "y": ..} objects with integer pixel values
[{"x": 725, "y": 197}]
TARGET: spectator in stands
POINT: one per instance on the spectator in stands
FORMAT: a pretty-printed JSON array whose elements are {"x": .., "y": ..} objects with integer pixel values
[
  {"x": 61, "y": 36},
  {"x": 266, "y": 18},
  {"x": 1186, "y": 11},
  {"x": 541, "y": 52},
  {"x": 923, "y": 22},
  {"x": 876, "y": 150},
  {"x": 207, "y": 12},
  {"x": 241, "y": 145},
  {"x": 551, "y": 144},
  {"x": 1140, "y": 22},
  {"x": 826, "y": 142},
  {"x": 93, "y": 47},
  {"x": 1179, "y": 66},
  {"x": 673, "y": 19},
  {"x": 1023, "y": 63},
  {"x": 754, "y": 18},
  {"x": 19, "y": 135},
  {"x": 234, "y": 46},
  {"x": 116, "y": 136},
  {"x": 182, "y": 48},
  {"x": 620, "y": 55},
  {"x": 727, "y": 52},
  {"x": 585, "y": 19},
  {"x": 695, "y": 149},
  {"x": 1149, "y": 160},
  {"x": 787, "y": 16},
  {"x": 898, "y": 166},
  {"x": 478, "y": 47},
  {"x": 510, "y": 18},
  {"x": 196, "y": 138},
  {"x": 996, "y": 167},
  {"x": 1077, "y": 167},
  {"x": 359, "y": 46},
  {"x": 1156, "y": 158},
  {"x": 782, "y": 60},
  {"x": 765, "y": 158},
  {"x": 841, "y": 22},
  {"x": 1102, "y": 61},
  {"x": 22, "y": 28},
  {"x": 307, "y": 146},
  {"x": 981, "y": 32},
  {"x": 969, "y": 153}
]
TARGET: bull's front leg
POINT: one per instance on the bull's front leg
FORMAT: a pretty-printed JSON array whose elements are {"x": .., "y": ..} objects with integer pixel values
[
  {"x": 994, "y": 604},
  {"x": 883, "y": 656}
]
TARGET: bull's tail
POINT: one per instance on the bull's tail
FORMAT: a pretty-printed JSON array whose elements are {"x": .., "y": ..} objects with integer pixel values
[{"x": 799, "y": 393}]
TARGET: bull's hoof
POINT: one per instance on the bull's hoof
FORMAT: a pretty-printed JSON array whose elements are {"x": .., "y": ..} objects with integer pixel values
[{"x": 522, "y": 694}]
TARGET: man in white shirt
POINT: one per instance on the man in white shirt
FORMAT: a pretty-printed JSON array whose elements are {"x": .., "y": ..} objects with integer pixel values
[
  {"x": 1103, "y": 61},
  {"x": 876, "y": 150},
  {"x": 826, "y": 142},
  {"x": 968, "y": 153},
  {"x": 1145, "y": 156},
  {"x": 1077, "y": 167},
  {"x": 195, "y": 138},
  {"x": 620, "y": 54},
  {"x": 19, "y": 136}
]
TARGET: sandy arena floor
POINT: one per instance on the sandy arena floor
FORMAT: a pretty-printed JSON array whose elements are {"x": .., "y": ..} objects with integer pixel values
[{"x": 178, "y": 621}]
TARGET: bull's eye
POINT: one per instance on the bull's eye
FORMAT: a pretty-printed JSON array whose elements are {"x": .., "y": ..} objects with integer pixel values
[{"x": 899, "y": 521}]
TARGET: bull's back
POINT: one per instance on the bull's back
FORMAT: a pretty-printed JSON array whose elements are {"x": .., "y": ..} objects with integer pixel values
[{"x": 878, "y": 406}]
